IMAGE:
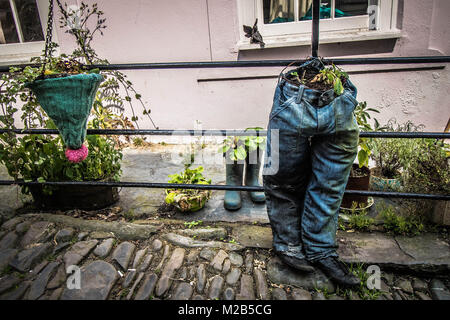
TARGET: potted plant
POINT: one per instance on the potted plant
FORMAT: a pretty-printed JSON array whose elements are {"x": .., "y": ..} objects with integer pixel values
[
  {"x": 188, "y": 200},
  {"x": 41, "y": 157},
  {"x": 359, "y": 178},
  {"x": 390, "y": 157},
  {"x": 243, "y": 156},
  {"x": 427, "y": 170}
]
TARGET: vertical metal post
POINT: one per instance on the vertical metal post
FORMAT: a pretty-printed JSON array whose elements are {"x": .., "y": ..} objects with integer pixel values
[{"x": 315, "y": 27}]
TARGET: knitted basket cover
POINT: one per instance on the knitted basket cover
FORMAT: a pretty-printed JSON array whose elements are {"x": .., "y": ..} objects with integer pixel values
[{"x": 68, "y": 102}]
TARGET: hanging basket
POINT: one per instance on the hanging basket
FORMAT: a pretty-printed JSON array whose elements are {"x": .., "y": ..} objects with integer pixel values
[{"x": 68, "y": 102}]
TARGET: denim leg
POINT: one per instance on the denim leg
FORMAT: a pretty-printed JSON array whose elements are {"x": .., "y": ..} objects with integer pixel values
[
  {"x": 332, "y": 157},
  {"x": 285, "y": 186}
]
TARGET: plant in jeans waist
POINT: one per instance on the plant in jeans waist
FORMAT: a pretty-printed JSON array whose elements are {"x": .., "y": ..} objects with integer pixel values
[
  {"x": 327, "y": 78},
  {"x": 334, "y": 76}
]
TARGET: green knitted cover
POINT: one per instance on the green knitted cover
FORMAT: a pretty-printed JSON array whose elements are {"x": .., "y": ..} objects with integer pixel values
[{"x": 68, "y": 102}]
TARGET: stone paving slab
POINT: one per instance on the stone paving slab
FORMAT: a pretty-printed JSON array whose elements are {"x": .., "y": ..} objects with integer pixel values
[
  {"x": 422, "y": 253},
  {"x": 425, "y": 252},
  {"x": 123, "y": 230},
  {"x": 253, "y": 236}
]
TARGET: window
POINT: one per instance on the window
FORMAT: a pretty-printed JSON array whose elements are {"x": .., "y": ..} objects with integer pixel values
[
  {"x": 21, "y": 29},
  {"x": 288, "y": 22},
  {"x": 300, "y": 10},
  {"x": 19, "y": 22}
]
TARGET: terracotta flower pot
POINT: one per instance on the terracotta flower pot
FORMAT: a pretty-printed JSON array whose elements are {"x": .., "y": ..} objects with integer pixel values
[{"x": 357, "y": 183}]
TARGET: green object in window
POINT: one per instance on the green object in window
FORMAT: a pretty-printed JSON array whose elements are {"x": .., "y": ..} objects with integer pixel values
[
  {"x": 281, "y": 20},
  {"x": 325, "y": 13},
  {"x": 68, "y": 102}
]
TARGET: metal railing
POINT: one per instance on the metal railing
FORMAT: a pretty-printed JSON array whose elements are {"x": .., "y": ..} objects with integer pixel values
[{"x": 237, "y": 64}]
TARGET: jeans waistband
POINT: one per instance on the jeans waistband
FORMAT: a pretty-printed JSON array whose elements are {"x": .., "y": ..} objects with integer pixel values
[{"x": 314, "y": 97}]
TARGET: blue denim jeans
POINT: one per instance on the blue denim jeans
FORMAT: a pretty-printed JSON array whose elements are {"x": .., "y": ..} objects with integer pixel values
[{"x": 305, "y": 174}]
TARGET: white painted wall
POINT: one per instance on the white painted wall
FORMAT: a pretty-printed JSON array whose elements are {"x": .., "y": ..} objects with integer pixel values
[{"x": 205, "y": 30}]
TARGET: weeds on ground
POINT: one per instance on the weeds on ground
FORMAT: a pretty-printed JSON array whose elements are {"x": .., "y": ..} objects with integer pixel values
[
  {"x": 128, "y": 215},
  {"x": 192, "y": 224},
  {"x": 364, "y": 292},
  {"x": 360, "y": 221},
  {"x": 324, "y": 291},
  {"x": 357, "y": 220},
  {"x": 124, "y": 293},
  {"x": 398, "y": 224},
  {"x": 6, "y": 270}
]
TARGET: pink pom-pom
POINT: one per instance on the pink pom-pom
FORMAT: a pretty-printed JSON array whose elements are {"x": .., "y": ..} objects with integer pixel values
[{"x": 77, "y": 155}]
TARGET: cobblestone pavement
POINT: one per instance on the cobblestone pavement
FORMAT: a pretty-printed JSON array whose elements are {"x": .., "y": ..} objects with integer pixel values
[{"x": 175, "y": 262}]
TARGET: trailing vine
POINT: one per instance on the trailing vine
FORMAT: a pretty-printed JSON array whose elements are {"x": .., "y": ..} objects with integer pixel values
[{"x": 41, "y": 157}]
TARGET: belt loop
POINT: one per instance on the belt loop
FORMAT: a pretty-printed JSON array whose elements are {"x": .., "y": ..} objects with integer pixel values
[{"x": 301, "y": 88}]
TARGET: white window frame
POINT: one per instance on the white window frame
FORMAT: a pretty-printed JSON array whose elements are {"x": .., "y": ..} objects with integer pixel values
[
  {"x": 17, "y": 53},
  {"x": 341, "y": 29}
]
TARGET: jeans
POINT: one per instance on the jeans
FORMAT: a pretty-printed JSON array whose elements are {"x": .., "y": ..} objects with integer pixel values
[{"x": 305, "y": 175}]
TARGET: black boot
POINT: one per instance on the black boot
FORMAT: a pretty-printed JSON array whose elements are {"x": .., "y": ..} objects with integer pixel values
[
  {"x": 337, "y": 271},
  {"x": 296, "y": 263},
  {"x": 253, "y": 165},
  {"x": 234, "y": 173}
]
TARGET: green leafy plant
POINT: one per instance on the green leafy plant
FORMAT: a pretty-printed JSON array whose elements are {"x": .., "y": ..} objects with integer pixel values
[
  {"x": 427, "y": 170},
  {"x": 40, "y": 157},
  {"x": 392, "y": 155},
  {"x": 362, "y": 115},
  {"x": 398, "y": 224},
  {"x": 192, "y": 224},
  {"x": 358, "y": 269},
  {"x": 234, "y": 148},
  {"x": 188, "y": 200},
  {"x": 334, "y": 76},
  {"x": 324, "y": 291},
  {"x": 360, "y": 221},
  {"x": 189, "y": 176},
  {"x": 238, "y": 147},
  {"x": 427, "y": 167},
  {"x": 296, "y": 77}
]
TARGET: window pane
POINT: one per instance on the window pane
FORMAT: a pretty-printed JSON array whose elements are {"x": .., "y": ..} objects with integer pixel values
[
  {"x": 8, "y": 31},
  {"x": 345, "y": 8},
  {"x": 278, "y": 11},
  {"x": 29, "y": 20},
  {"x": 305, "y": 9}
]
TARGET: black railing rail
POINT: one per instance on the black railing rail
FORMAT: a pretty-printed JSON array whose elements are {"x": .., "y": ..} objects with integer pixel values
[
  {"x": 213, "y": 187},
  {"x": 253, "y": 63},
  {"x": 225, "y": 132},
  {"x": 240, "y": 64}
]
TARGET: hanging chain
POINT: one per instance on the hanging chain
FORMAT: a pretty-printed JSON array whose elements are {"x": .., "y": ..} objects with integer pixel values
[{"x": 48, "y": 37}]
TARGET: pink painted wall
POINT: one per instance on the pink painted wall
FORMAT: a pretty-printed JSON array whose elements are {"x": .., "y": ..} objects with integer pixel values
[{"x": 208, "y": 30}]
